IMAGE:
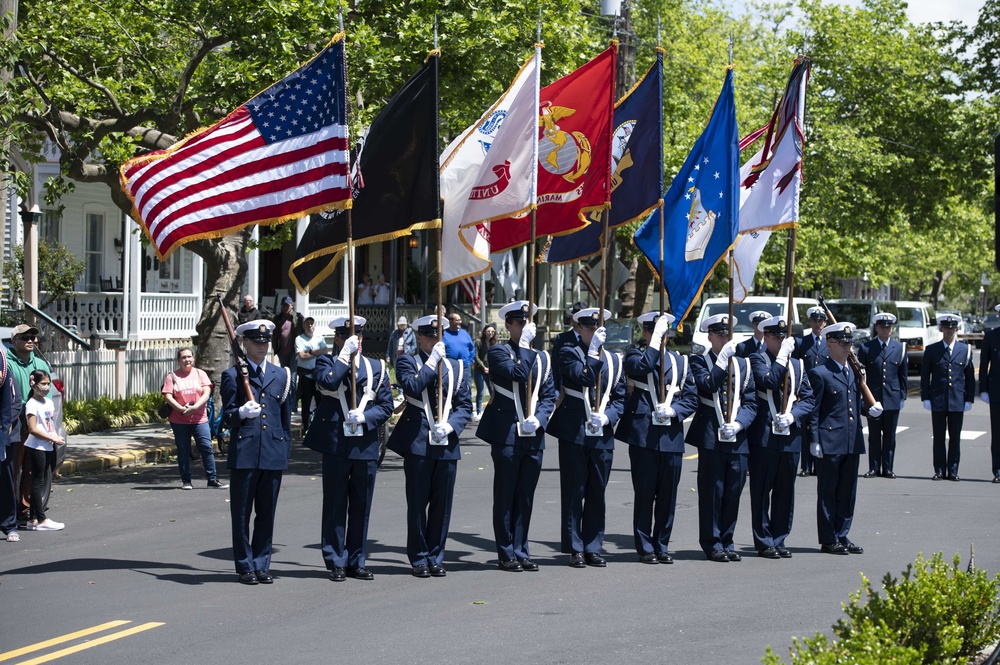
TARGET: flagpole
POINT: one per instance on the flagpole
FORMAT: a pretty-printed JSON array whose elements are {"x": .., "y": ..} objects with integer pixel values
[
  {"x": 534, "y": 216},
  {"x": 440, "y": 262},
  {"x": 350, "y": 240},
  {"x": 732, "y": 284},
  {"x": 663, "y": 288},
  {"x": 791, "y": 307}
]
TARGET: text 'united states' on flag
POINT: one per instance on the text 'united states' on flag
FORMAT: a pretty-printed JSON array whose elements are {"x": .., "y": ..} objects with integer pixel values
[{"x": 280, "y": 156}]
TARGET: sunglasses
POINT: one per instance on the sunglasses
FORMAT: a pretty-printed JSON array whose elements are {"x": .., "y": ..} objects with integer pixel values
[
  {"x": 26, "y": 338},
  {"x": 842, "y": 342}
]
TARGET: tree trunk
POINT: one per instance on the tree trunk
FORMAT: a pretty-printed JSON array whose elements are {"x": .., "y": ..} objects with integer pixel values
[
  {"x": 937, "y": 285},
  {"x": 643, "y": 283}
]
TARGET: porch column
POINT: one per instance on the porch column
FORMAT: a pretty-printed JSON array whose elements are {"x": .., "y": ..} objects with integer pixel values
[
  {"x": 301, "y": 299},
  {"x": 253, "y": 268},
  {"x": 133, "y": 278}
]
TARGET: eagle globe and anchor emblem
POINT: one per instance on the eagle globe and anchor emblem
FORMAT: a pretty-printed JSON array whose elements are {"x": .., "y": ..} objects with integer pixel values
[{"x": 563, "y": 153}]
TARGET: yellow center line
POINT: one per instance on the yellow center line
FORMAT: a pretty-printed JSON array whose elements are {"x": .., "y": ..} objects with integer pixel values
[
  {"x": 694, "y": 456},
  {"x": 92, "y": 643},
  {"x": 59, "y": 640}
]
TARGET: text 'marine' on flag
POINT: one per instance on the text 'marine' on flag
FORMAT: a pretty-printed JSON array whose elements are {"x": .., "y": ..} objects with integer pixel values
[
  {"x": 574, "y": 155},
  {"x": 637, "y": 163},
  {"x": 466, "y": 168},
  {"x": 701, "y": 209},
  {"x": 395, "y": 181},
  {"x": 280, "y": 156}
]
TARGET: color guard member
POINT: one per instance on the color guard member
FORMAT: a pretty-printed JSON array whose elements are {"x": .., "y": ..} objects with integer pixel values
[
  {"x": 947, "y": 389},
  {"x": 989, "y": 390},
  {"x": 812, "y": 349},
  {"x": 755, "y": 343},
  {"x": 885, "y": 363}
]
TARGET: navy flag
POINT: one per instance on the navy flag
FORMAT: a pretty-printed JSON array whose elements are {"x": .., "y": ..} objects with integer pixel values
[
  {"x": 701, "y": 209},
  {"x": 637, "y": 178}
]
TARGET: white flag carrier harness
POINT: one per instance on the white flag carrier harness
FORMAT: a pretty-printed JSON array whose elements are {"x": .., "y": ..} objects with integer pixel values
[
  {"x": 425, "y": 402},
  {"x": 515, "y": 395},
  {"x": 369, "y": 392},
  {"x": 794, "y": 385},
  {"x": 614, "y": 376},
  {"x": 735, "y": 372},
  {"x": 673, "y": 387}
]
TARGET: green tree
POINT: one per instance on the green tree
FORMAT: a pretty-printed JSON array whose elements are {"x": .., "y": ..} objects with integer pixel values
[{"x": 58, "y": 272}]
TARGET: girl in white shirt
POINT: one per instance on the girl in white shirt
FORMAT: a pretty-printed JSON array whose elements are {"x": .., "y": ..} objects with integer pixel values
[{"x": 39, "y": 449}]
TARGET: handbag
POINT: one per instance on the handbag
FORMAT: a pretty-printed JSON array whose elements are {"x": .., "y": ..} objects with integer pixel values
[{"x": 166, "y": 409}]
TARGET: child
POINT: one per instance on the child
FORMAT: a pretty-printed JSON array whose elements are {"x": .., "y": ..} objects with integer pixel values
[{"x": 39, "y": 449}]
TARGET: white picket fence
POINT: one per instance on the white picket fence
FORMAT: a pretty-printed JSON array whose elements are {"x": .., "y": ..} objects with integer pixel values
[{"x": 89, "y": 374}]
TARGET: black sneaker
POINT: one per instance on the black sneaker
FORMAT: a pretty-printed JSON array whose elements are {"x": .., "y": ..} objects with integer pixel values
[{"x": 215, "y": 484}]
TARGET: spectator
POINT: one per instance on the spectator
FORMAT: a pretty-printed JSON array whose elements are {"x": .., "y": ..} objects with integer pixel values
[
  {"x": 248, "y": 312},
  {"x": 39, "y": 450},
  {"x": 401, "y": 341},
  {"x": 308, "y": 346},
  {"x": 287, "y": 326},
  {"x": 10, "y": 409},
  {"x": 458, "y": 343},
  {"x": 187, "y": 390},
  {"x": 381, "y": 291},
  {"x": 481, "y": 373},
  {"x": 365, "y": 294},
  {"x": 21, "y": 362}
]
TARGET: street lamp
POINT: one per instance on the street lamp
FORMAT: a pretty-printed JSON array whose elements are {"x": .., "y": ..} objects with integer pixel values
[
  {"x": 864, "y": 287},
  {"x": 982, "y": 300}
]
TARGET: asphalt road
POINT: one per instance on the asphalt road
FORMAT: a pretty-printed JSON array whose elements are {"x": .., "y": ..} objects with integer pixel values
[{"x": 138, "y": 549}]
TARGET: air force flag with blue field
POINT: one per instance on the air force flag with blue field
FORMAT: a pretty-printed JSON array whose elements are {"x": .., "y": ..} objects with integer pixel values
[{"x": 701, "y": 209}]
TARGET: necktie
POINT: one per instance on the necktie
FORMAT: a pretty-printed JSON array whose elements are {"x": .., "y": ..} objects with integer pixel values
[
  {"x": 883, "y": 346},
  {"x": 947, "y": 352},
  {"x": 846, "y": 375}
]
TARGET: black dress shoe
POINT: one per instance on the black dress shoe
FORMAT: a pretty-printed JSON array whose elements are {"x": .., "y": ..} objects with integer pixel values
[
  {"x": 733, "y": 555},
  {"x": 576, "y": 560},
  {"x": 248, "y": 578},
  {"x": 835, "y": 548},
  {"x": 512, "y": 566},
  {"x": 595, "y": 560},
  {"x": 719, "y": 555},
  {"x": 955, "y": 478},
  {"x": 437, "y": 571},
  {"x": 421, "y": 571},
  {"x": 264, "y": 577},
  {"x": 871, "y": 474},
  {"x": 664, "y": 557},
  {"x": 361, "y": 573},
  {"x": 854, "y": 549},
  {"x": 889, "y": 474},
  {"x": 529, "y": 565},
  {"x": 936, "y": 476},
  {"x": 803, "y": 473},
  {"x": 338, "y": 575},
  {"x": 648, "y": 558},
  {"x": 769, "y": 553},
  {"x": 996, "y": 479},
  {"x": 784, "y": 553}
]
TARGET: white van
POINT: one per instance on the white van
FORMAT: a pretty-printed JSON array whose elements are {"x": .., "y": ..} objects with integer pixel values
[
  {"x": 917, "y": 327},
  {"x": 775, "y": 305}
]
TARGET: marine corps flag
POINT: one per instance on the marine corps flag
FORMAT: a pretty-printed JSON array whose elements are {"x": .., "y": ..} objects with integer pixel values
[
  {"x": 701, "y": 209},
  {"x": 395, "y": 179},
  {"x": 573, "y": 156},
  {"x": 637, "y": 162}
]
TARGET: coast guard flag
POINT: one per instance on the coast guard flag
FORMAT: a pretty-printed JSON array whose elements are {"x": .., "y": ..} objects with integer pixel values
[
  {"x": 701, "y": 209},
  {"x": 280, "y": 156},
  {"x": 637, "y": 179}
]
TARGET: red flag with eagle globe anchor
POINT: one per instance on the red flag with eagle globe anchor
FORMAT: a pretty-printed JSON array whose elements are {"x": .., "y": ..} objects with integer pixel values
[{"x": 574, "y": 157}]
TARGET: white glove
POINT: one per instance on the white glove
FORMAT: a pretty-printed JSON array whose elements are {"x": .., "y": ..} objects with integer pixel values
[
  {"x": 527, "y": 335},
  {"x": 530, "y": 424},
  {"x": 350, "y": 346},
  {"x": 442, "y": 430},
  {"x": 785, "y": 420},
  {"x": 785, "y": 352},
  {"x": 598, "y": 419},
  {"x": 356, "y": 417},
  {"x": 985, "y": 397},
  {"x": 927, "y": 404},
  {"x": 815, "y": 449},
  {"x": 968, "y": 406},
  {"x": 250, "y": 410},
  {"x": 875, "y": 410},
  {"x": 660, "y": 328},
  {"x": 437, "y": 354},
  {"x": 665, "y": 412},
  {"x": 725, "y": 354},
  {"x": 728, "y": 431},
  {"x": 596, "y": 342}
]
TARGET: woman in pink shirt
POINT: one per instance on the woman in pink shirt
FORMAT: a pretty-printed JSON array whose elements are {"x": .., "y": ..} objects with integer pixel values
[{"x": 187, "y": 390}]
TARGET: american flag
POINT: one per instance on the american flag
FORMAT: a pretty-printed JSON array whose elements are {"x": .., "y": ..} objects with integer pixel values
[
  {"x": 588, "y": 281},
  {"x": 280, "y": 156},
  {"x": 470, "y": 285}
]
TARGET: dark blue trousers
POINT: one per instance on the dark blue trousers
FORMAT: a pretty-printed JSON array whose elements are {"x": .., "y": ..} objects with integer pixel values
[
  {"x": 947, "y": 464},
  {"x": 772, "y": 495},
  {"x": 583, "y": 478},
  {"x": 836, "y": 489},
  {"x": 515, "y": 476},
  {"x": 8, "y": 500},
  {"x": 430, "y": 489},
  {"x": 655, "y": 476},
  {"x": 882, "y": 441},
  {"x": 253, "y": 491},
  {"x": 348, "y": 488},
  {"x": 721, "y": 477}
]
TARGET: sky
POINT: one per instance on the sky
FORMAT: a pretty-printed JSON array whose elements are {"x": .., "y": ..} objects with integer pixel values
[{"x": 923, "y": 11}]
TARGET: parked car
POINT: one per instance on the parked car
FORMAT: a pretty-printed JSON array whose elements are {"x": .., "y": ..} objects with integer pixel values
[
  {"x": 620, "y": 335},
  {"x": 860, "y": 312},
  {"x": 777, "y": 306},
  {"x": 917, "y": 328}
]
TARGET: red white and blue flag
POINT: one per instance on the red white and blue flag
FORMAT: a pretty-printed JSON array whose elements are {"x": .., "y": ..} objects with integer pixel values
[{"x": 280, "y": 156}]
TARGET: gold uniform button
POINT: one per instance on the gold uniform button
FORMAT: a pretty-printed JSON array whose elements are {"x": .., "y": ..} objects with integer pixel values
[{"x": 264, "y": 427}]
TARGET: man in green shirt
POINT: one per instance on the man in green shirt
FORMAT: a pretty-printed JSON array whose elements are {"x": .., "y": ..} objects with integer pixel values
[{"x": 21, "y": 362}]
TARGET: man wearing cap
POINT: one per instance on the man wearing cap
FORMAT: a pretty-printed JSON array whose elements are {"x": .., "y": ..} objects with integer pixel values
[
  {"x": 839, "y": 442},
  {"x": 260, "y": 443},
  {"x": 812, "y": 349},
  {"x": 568, "y": 337},
  {"x": 427, "y": 438},
  {"x": 885, "y": 363},
  {"x": 755, "y": 343},
  {"x": 345, "y": 430},
  {"x": 785, "y": 403},
  {"x": 401, "y": 341},
  {"x": 513, "y": 423},
  {"x": 21, "y": 362},
  {"x": 584, "y": 425},
  {"x": 947, "y": 389},
  {"x": 989, "y": 390},
  {"x": 653, "y": 425},
  {"x": 727, "y": 407},
  {"x": 308, "y": 347}
]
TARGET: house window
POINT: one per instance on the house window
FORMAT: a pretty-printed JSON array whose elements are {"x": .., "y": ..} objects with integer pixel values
[
  {"x": 93, "y": 250},
  {"x": 48, "y": 230},
  {"x": 170, "y": 273}
]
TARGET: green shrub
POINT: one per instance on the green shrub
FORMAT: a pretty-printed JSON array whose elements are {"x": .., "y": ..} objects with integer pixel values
[
  {"x": 935, "y": 614},
  {"x": 103, "y": 413}
]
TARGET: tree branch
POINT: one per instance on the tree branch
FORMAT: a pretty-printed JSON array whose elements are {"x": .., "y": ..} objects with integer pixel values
[
  {"x": 85, "y": 79},
  {"x": 207, "y": 46}
]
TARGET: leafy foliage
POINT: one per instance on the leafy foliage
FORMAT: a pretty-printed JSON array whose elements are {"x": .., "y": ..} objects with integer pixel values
[
  {"x": 104, "y": 413},
  {"x": 58, "y": 272}
]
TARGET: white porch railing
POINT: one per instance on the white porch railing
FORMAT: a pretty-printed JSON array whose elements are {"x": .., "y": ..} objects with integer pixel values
[
  {"x": 89, "y": 313},
  {"x": 161, "y": 315},
  {"x": 168, "y": 314}
]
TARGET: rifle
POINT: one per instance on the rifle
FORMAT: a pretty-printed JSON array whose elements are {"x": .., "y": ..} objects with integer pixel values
[
  {"x": 852, "y": 359},
  {"x": 242, "y": 366}
]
